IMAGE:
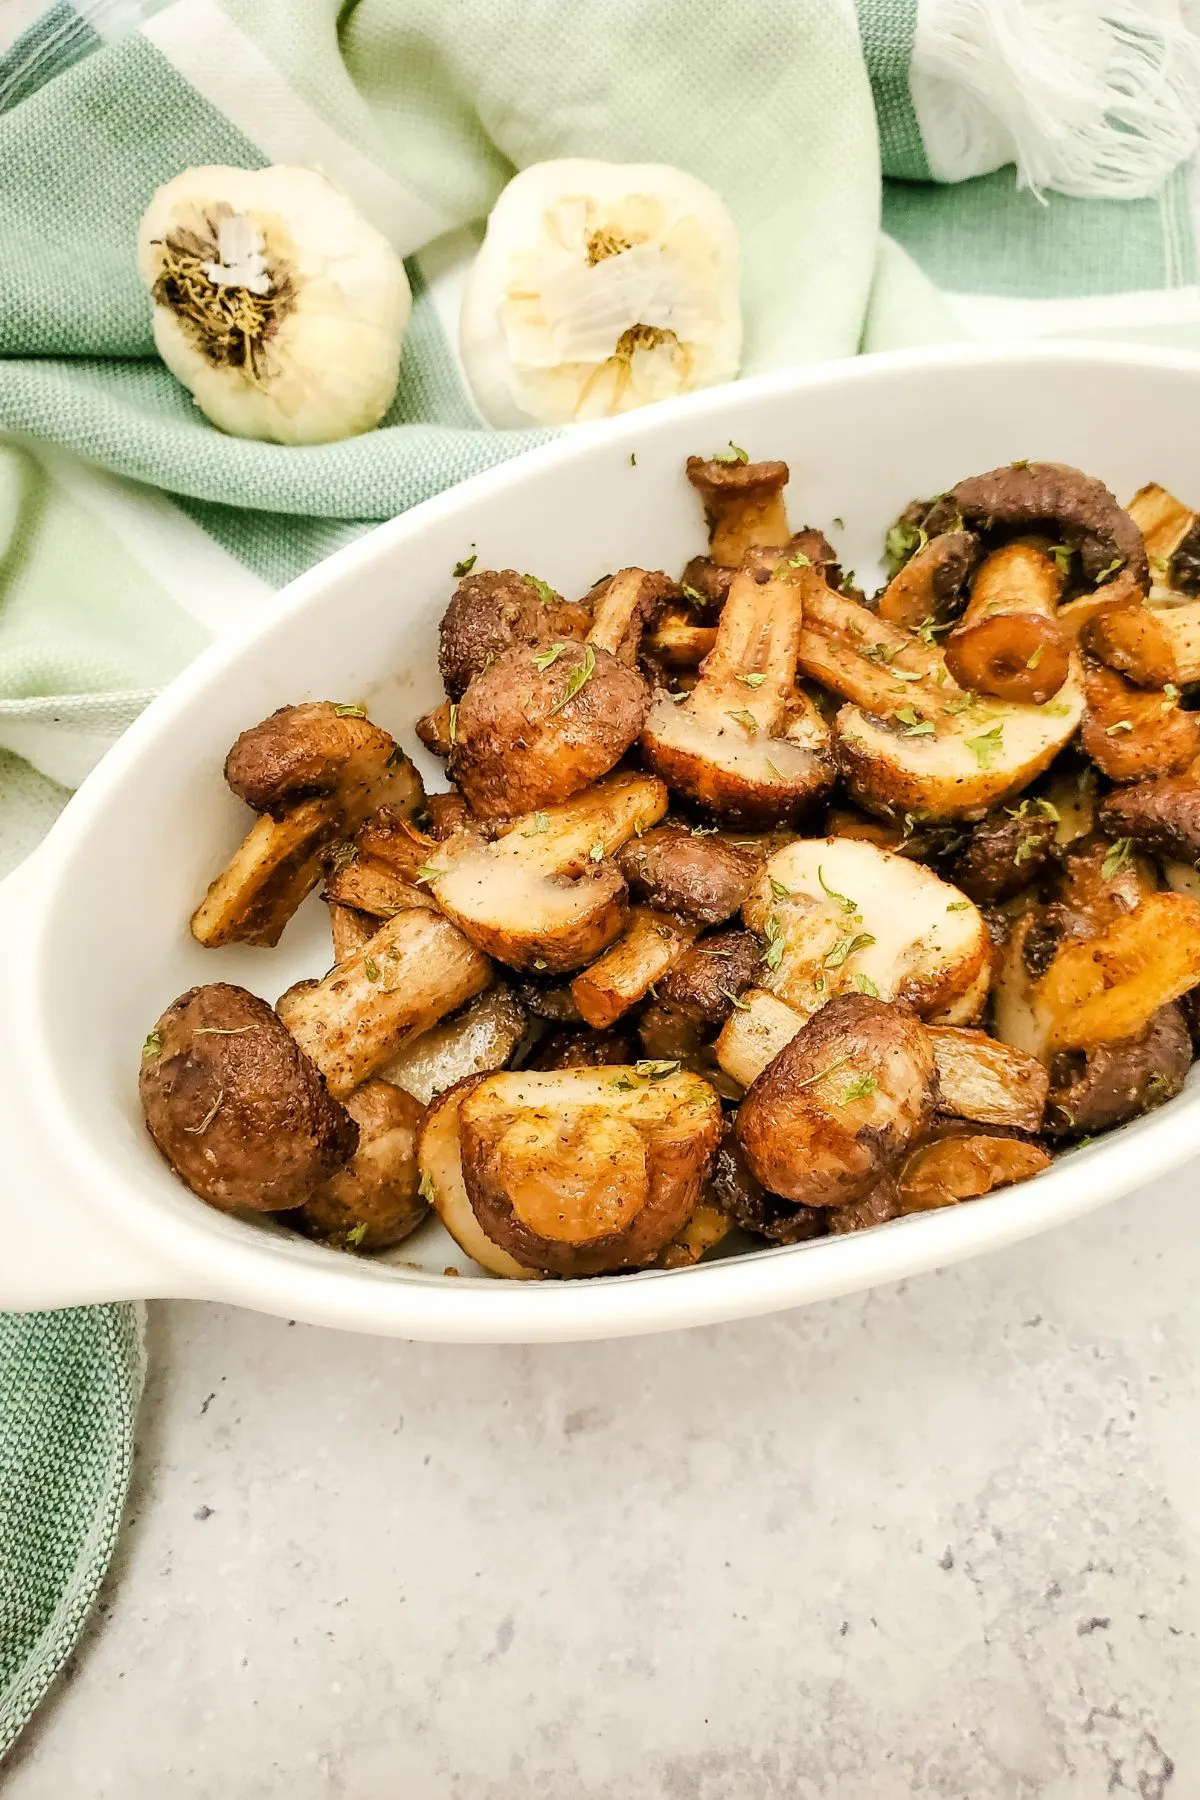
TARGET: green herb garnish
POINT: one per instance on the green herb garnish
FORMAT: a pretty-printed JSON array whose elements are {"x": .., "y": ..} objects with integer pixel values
[
  {"x": 466, "y": 565},
  {"x": 579, "y": 677},
  {"x": 542, "y": 659},
  {"x": 355, "y": 1236},
  {"x": 1121, "y": 725},
  {"x": 987, "y": 746},
  {"x": 733, "y": 454},
  {"x": 751, "y": 681},
  {"x": 860, "y": 1089},
  {"x": 370, "y": 968},
  {"x": 454, "y": 722},
  {"x": 844, "y": 901},
  {"x": 865, "y": 985},
  {"x": 153, "y": 1045},
  {"x": 351, "y": 712},
  {"x": 776, "y": 941},
  {"x": 1118, "y": 562},
  {"x": 1033, "y": 661},
  {"x": 846, "y": 947},
  {"x": 545, "y": 592},
  {"x": 902, "y": 542},
  {"x": 778, "y": 891},
  {"x": 596, "y": 853},
  {"x": 1118, "y": 856},
  {"x": 745, "y": 718},
  {"x": 742, "y": 1005},
  {"x": 539, "y": 823}
]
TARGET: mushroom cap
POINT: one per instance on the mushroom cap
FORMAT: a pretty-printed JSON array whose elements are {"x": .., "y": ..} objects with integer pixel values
[
  {"x": 1162, "y": 817},
  {"x": 374, "y": 1202},
  {"x": 698, "y": 876},
  {"x": 531, "y": 736},
  {"x": 234, "y": 1105},
  {"x": 320, "y": 747},
  {"x": 493, "y": 611},
  {"x": 1093, "y": 1090},
  {"x": 830, "y": 1115},
  {"x": 1087, "y": 515},
  {"x": 583, "y": 1171}
]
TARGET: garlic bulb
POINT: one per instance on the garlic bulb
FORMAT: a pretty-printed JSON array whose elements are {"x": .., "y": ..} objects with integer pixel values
[
  {"x": 600, "y": 287},
  {"x": 275, "y": 303}
]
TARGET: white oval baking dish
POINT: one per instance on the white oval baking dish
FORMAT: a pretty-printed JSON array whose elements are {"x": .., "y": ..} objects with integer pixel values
[{"x": 94, "y": 939}]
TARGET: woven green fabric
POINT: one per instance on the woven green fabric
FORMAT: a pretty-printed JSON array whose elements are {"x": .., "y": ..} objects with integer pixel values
[{"x": 131, "y": 531}]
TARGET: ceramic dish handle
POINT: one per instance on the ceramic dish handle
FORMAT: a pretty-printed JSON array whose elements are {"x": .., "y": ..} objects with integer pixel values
[{"x": 54, "y": 1250}]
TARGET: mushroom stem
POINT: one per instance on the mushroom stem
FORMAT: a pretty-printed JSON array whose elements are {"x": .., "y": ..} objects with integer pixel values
[
  {"x": 651, "y": 944},
  {"x": 1009, "y": 644},
  {"x": 276, "y": 865},
  {"x": 744, "y": 506}
]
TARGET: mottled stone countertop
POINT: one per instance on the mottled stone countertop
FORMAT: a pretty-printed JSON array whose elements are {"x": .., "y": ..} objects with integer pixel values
[{"x": 937, "y": 1540}]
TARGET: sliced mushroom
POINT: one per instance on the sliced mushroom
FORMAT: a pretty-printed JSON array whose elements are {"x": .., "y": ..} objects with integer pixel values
[
  {"x": 439, "y": 1155},
  {"x": 878, "y": 1207},
  {"x": 1009, "y": 644},
  {"x": 493, "y": 611},
  {"x": 1130, "y": 733},
  {"x": 1161, "y": 817},
  {"x": 987, "y": 1082},
  {"x": 651, "y": 944},
  {"x": 276, "y": 865},
  {"x": 1071, "y": 793},
  {"x": 838, "y": 1106},
  {"x": 1097, "y": 990},
  {"x": 1153, "y": 646},
  {"x": 349, "y": 930},
  {"x": 370, "y": 886},
  {"x": 839, "y": 916},
  {"x": 374, "y": 1202},
  {"x": 696, "y": 996},
  {"x": 582, "y": 1171},
  {"x": 1168, "y": 529},
  {"x": 707, "y": 1227},
  {"x": 438, "y": 728},
  {"x": 927, "y": 589},
  {"x": 1098, "y": 882},
  {"x": 474, "y": 1042},
  {"x": 543, "y": 724},
  {"x": 956, "y": 1164},
  {"x": 737, "y": 745},
  {"x": 415, "y": 970},
  {"x": 1094, "y": 1089},
  {"x": 743, "y": 505},
  {"x": 238, "y": 1111},
  {"x": 695, "y": 874},
  {"x": 848, "y": 649},
  {"x": 545, "y": 897},
  {"x": 315, "y": 771},
  {"x": 677, "y": 641}
]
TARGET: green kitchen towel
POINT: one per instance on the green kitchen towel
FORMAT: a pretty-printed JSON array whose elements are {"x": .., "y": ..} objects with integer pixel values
[{"x": 131, "y": 531}]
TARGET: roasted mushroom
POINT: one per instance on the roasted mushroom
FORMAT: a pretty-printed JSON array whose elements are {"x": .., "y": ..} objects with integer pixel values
[
  {"x": 1092, "y": 1090},
  {"x": 1009, "y": 643},
  {"x": 493, "y": 611},
  {"x": 582, "y": 1049},
  {"x": 1161, "y": 818},
  {"x": 439, "y": 1155},
  {"x": 1169, "y": 531},
  {"x": 373, "y": 1203},
  {"x": 956, "y": 1163},
  {"x": 927, "y": 590},
  {"x": 743, "y": 744},
  {"x": 838, "y": 1106},
  {"x": 743, "y": 505},
  {"x": 987, "y": 1082},
  {"x": 235, "y": 1107},
  {"x": 692, "y": 873},
  {"x": 1085, "y": 516},
  {"x": 696, "y": 996},
  {"x": 417, "y": 968},
  {"x": 582, "y": 1171},
  {"x": 1005, "y": 852},
  {"x": 314, "y": 771},
  {"x": 1100, "y": 989},
  {"x": 650, "y": 945},
  {"x": 1131, "y": 733},
  {"x": 476, "y": 1040},
  {"x": 751, "y": 1207},
  {"x": 542, "y": 724},
  {"x": 839, "y": 916},
  {"x": 545, "y": 896}
]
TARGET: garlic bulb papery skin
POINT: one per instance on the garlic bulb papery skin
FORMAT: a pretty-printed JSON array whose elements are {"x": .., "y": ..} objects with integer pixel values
[
  {"x": 275, "y": 303},
  {"x": 600, "y": 287}
]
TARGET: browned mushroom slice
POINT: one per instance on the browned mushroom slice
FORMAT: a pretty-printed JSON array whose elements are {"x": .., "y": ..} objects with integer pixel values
[
  {"x": 695, "y": 874},
  {"x": 314, "y": 771},
  {"x": 845, "y": 647},
  {"x": 374, "y": 1202},
  {"x": 696, "y": 996},
  {"x": 415, "y": 970},
  {"x": 1153, "y": 646},
  {"x": 1167, "y": 527},
  {"x": 1100, "y": 989},
  {"x": 828, "y": 1118},
  {"x": 439, "y": 1154},
  {"x": 1161, "y": 817},
  {"x": 475, "y": 1041},
  {"x": 840, "y": 916},
  {"x": 1093, "y": 1090},
  {"x": 493, "y": 611},
  {"x": 1131, "y": 733},
  {"x": 751, "y": 1207},
  {"x": 370, "y": 886},
  {"x": 876, "y": 1208},
  {"x": 349, "y": 930},
  {"x": 743, "y": 505},
  {"x": 582, "y": 1171},
  {"x": 1009, "y": 643},
  {"x": 956, "y": 1164},
  {"x": 732, "y": 745},
  {"x": 1005, "y": 852},
  {"x": 1071, "y": 792},
  {"x": 988, "y": 1082},
  {"x": 926, "y": 590},
  {"x": 541, "y": 725},
  {"x": 1098, "y": 882},
  {"x": 677, "y": 641},
  {"x": 276, "y": 865},
  {"x": 651, "y": 943},
  {"x": 388, "y": 837},
  {"x": 545, "y": 897},
  {"x": 238, "y": 1111}
]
